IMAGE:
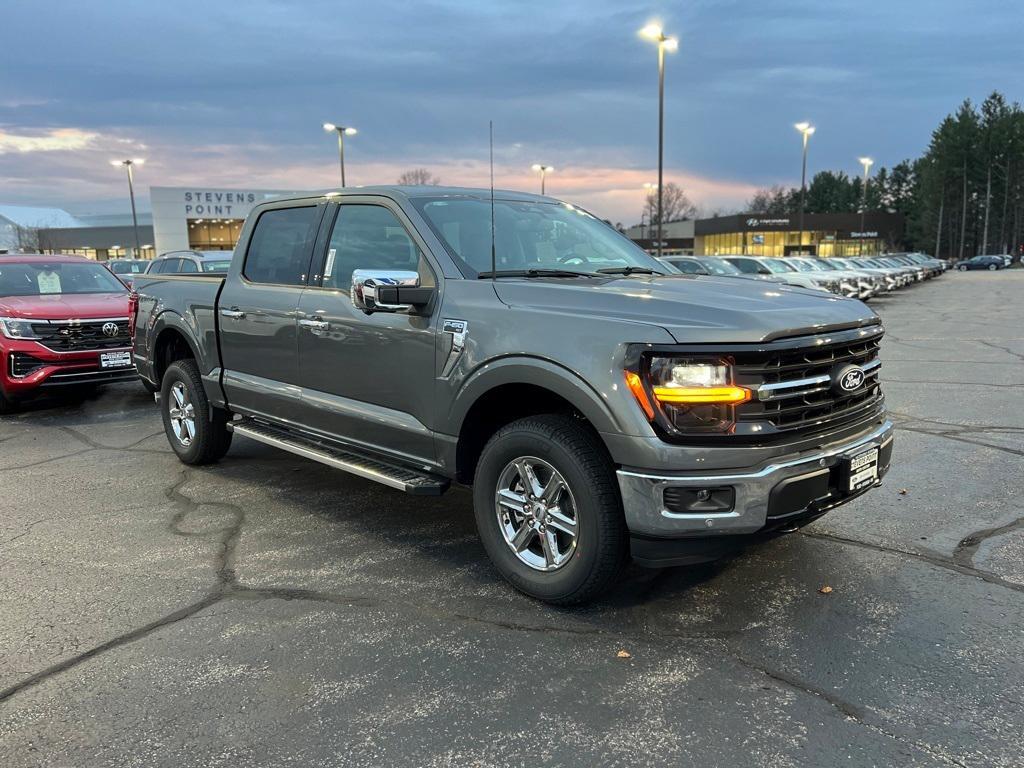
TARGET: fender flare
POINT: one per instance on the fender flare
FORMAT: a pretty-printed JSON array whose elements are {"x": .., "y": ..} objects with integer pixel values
[
  {"x": 534, "y": 371},
  {"x": 171, "y": 320}
]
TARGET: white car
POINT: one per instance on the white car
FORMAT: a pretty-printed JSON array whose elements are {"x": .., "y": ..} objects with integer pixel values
[{"x": 781, "y": 272}]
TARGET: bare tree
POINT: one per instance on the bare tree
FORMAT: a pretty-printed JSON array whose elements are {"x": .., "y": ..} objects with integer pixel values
[
  {"x": 418, "y": 177},
  {"x": 26, "y": 239},
  {"x": 775, "y": 200},
  {"x": 675, "y": 202}
]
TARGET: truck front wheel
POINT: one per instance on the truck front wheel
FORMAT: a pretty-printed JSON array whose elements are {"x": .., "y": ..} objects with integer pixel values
[
  {"x": 196, "y": 430},
  {"x": 548, "y": 509}
]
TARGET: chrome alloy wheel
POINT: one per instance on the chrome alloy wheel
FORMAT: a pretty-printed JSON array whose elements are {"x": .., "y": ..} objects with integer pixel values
[
  {"x": 536, "y": 513},
  {"x": 182, "y": 413}
]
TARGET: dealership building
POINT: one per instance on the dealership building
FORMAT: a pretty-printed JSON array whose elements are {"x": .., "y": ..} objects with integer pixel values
[
  {"x": 757, "y": 234},
  {"x": 182, "y": 218}
]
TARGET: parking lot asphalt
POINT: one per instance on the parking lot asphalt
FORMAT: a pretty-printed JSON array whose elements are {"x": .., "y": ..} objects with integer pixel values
[{"x": 271, "y": 611}]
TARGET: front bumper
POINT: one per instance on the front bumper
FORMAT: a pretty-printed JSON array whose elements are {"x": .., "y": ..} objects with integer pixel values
[
  {"x": 770, "y": 494},
  {"x": 20, "y": 377}
]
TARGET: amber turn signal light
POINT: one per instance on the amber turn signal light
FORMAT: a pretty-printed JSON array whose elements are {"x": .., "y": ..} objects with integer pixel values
[
  {"x": 637, "y": 388},
  {"x": 730, "y": 395}
]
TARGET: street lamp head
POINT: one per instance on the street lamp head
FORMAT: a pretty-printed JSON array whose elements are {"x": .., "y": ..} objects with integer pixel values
[
  {"x": 545, "y": 168},
  {"x": 805, "y": 128},
  {"x": 330, "y": 127},
  {"x": 132, "y": 161},
  {"x": 138, "y": 161},
  {"x": 351, "y": 131},
  {"x": 670, "y": 44},
  {"x": 649, "y": 186},
  {"x": 867, "y": 162},
  {"x": 653, "y": 31}
]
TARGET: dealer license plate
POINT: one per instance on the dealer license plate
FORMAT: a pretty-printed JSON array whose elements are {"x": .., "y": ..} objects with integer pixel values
[
  {"x": 863, "y": 471},
  {"x": 115, "y": 359}
]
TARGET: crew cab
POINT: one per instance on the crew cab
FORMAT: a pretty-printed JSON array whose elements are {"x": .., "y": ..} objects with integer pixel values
[
  {"x": 600, "y": 408},
  {"x": 63, "y": 323}
]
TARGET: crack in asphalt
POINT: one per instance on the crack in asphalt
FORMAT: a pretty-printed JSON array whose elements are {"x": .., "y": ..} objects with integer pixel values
[
  {"x": 93, "y": 446},
  {"x": 26, "y": 532},
  {"x": 967, "y": 548},
  {"x": 940, "y": 561},
  {"x": 1007, "y": 350}
]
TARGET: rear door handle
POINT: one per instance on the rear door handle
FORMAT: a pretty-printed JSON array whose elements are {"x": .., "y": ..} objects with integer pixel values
[{"x": 236, "y": 314}]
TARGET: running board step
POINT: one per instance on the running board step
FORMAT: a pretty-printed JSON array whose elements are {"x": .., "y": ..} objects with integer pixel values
[{"x": 392, "y": 475}]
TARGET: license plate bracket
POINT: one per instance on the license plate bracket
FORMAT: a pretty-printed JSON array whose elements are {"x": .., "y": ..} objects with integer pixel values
[
  {"x": 115, "y": 359},
  {"x": 859, "y": 470}
]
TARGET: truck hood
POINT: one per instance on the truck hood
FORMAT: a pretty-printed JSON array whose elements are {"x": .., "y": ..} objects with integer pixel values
[
  {"x": 67, "y": 306},
  {"x": 692, "y": 309}
]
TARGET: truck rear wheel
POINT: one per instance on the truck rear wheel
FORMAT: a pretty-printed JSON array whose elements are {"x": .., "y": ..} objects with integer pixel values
[
  {"x": 548, "y": 509},
  {"x": 196, "y": 430}
]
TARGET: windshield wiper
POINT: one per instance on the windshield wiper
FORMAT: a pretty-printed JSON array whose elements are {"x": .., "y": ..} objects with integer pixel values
[
  {"x": 629, "y": 271},
  {"x": 534, "y": 273}
]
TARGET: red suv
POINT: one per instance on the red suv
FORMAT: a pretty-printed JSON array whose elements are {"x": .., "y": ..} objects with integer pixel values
[{"x": 63, "y": 322}]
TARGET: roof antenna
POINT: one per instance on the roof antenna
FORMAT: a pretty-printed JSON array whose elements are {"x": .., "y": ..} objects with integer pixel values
[{"x": 494, "y": 260}]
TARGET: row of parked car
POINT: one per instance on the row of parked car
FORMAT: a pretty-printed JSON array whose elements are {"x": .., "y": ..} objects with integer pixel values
[
  {"x": 860, "y": 278},
  {"x": 170, "y": 263}
]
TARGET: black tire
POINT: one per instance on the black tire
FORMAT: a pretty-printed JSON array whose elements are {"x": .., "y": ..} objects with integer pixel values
[
  {"x": 211, "y": 438},
  {"x": 992, "y": 267},
  {"x": 602, "y": 545},
  {"x": 7, "y": 406},
  {"x": 962, "y": 268}
]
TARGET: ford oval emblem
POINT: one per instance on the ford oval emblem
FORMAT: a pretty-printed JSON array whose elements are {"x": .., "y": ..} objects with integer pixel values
[{"x": 849, "y": 378}]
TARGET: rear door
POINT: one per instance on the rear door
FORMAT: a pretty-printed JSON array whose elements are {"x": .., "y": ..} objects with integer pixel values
[
  {"x": 257, "y": 312},
  {"x": 368, "y": 378}
]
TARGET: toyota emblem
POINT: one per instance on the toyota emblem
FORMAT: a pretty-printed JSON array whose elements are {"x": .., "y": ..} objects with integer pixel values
[
  {"x": 110, "y": 329},
  {"x": 849, "y": 378}
]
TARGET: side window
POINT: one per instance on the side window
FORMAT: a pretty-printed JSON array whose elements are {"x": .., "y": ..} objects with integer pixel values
[
  {"x": 370, "y": 237},
  {"x": 745, "y": 266},
  {"x": 280, "y": 246},
  {"x": 688, "y": 267},
  {"x": 156, "y": 267},
  {"x": 187, "y": 265}
]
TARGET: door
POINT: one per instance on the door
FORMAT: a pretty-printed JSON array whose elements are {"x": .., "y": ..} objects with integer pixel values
[
  {"x": 257, "y": 313},
  {"x": 368, "y": 379}
]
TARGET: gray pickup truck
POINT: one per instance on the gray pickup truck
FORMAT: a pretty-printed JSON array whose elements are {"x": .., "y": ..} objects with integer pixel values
[{"x": 600, "y": 408}]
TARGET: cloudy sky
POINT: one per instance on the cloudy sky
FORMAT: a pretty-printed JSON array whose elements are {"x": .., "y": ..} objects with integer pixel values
[{"x": 233, "y": 94}]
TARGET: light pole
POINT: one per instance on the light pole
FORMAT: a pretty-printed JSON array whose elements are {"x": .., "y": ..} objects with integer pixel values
[
  {"x": 807, "y": 130},
  {"x": 867, "y": 162},
  {"x": 655, "y": 33},
  {"x": 543, "y": 170},
  {"x": 342, "y": 132},
  {"x": 128, "y": 165}
]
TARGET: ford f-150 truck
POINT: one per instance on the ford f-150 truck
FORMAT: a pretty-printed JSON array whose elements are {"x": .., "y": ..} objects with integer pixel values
[{"x": 599, "y": 407}]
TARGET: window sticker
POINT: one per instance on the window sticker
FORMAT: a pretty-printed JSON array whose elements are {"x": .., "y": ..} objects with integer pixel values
[
  {"x": 49, "y": 282},
  {"x": 329, "y": 267}
]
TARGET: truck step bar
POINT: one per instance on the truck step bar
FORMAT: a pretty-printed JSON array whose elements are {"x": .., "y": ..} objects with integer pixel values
[{"x": 393, "y": 475}]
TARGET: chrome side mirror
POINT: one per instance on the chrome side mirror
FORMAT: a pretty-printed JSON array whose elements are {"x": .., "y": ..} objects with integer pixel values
[{"x": 381, "y": 290}]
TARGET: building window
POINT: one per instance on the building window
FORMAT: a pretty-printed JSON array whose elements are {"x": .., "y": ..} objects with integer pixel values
[{"x": 214, "y": 234}]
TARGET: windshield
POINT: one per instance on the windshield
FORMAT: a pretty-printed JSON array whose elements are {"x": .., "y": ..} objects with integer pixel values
[
  {"x": 719, "y": 267},
  {"x": 803, "y": 266},
  {"x": 826, "y": 266},
  {"x": 777, "y": 266},
  {"x": 529, "y": 235},
  {"x": 216, "y": 266},
  {"x": 40, "y": 279},
  {"x": 127, "y": 267}
]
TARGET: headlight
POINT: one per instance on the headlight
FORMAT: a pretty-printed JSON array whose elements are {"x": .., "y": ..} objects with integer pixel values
[
  {"x": 13, "y": 328},
  {"x": 685, "y": 394}
]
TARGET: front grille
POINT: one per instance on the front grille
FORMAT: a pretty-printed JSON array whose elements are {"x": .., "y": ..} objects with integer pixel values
[
  {"x": 81, "y": 335},
  {"x": 794, "y": 385},
  {"x": 21, "y": 364}
]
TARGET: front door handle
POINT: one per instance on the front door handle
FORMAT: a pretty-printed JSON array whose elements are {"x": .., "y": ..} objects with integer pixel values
[
  {"x": 315, "y": 326},
  {"x": 235, "y": 314}
]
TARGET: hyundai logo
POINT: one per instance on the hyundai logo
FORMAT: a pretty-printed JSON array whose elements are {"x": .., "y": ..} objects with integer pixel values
[
  {"x": 849, "y": 378},
  {"x": 110, "y": 329}
]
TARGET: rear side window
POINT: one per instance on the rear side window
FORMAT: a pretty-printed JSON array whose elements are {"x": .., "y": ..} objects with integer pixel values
[
  {"x": 280, "y": 247},
  {"x": 187, "y": 265}
]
